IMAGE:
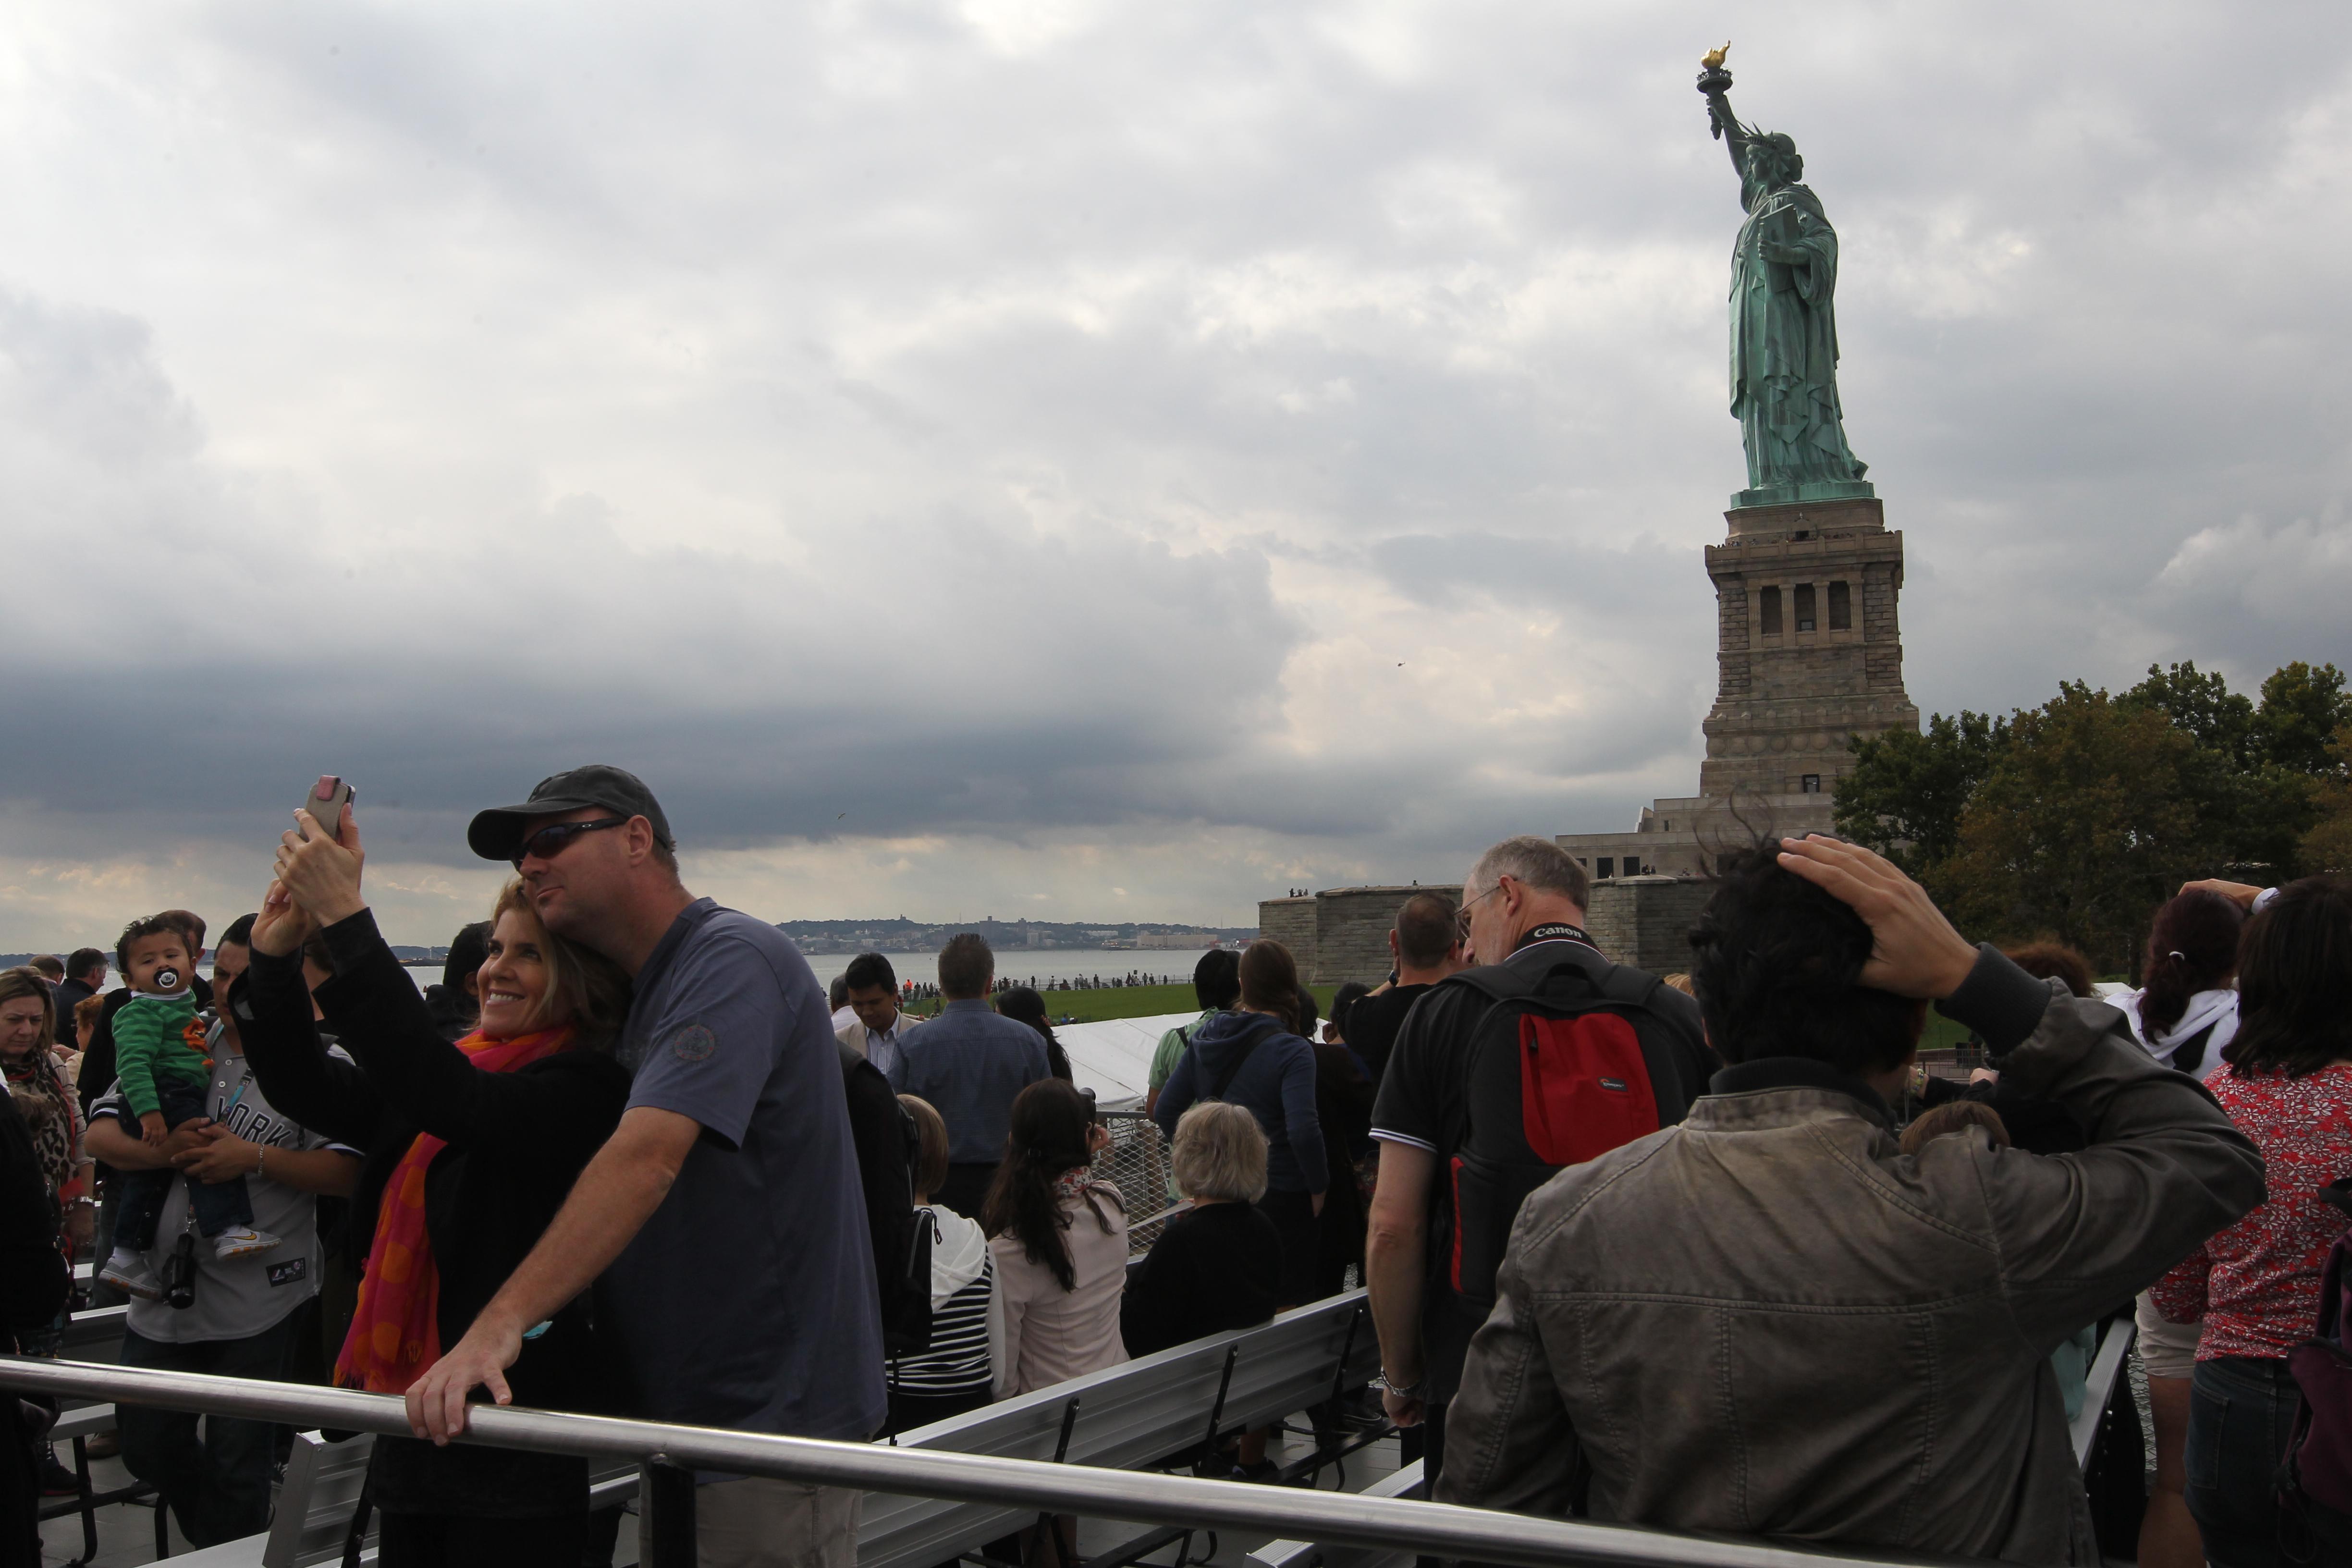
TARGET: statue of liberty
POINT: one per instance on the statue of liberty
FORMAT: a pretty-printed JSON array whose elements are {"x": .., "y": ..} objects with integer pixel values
[{"x": 1784, "y": 347}]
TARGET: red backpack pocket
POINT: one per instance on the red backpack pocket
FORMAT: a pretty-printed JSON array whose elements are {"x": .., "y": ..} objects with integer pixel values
[{"x": 1584, "y": 1087}]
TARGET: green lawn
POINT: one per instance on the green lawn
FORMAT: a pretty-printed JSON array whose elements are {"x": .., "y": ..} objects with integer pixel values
[{"x": 1121, "y": 1002}]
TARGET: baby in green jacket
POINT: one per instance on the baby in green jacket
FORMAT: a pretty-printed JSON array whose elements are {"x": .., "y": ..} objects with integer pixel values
[{"x": 163, "y": 1070}]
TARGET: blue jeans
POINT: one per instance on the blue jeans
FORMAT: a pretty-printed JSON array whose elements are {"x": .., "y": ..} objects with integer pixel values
[
  {"x": 219, "y": 1487},
  {"x": 2241, "y": 1411},
  {"x": 218, "y": 1204}
]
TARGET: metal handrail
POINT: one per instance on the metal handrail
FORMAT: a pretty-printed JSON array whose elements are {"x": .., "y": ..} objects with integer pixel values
[
  {"x": 1343, "y": 1518},
  {"x": 1436, "y": 1529}
]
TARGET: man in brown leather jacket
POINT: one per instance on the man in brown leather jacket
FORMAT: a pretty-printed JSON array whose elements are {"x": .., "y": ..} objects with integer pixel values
[{"x": 1770, "y": 1321}]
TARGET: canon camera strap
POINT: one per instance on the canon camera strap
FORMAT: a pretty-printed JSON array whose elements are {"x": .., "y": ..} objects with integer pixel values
[{"x": 1555, "y": 931}]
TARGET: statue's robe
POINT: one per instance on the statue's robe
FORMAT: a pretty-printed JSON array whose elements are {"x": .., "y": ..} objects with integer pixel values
[{"x": 1784, "y": 348}]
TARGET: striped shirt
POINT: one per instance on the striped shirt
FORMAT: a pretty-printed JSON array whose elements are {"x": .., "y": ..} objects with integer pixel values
[{"x": 957, "y": 1362}]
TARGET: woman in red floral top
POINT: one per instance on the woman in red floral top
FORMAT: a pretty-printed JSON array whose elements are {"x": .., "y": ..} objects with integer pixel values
[{"x": 2255, "y": 1286}]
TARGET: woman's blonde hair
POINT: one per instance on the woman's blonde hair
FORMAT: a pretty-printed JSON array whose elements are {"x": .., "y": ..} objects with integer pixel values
[
  {"x": 931, "y": 1145},
  {"x": 28, "y": 982},
  {"x": 1219, "y": 1153},
  {"x": 588, "y": 988}
]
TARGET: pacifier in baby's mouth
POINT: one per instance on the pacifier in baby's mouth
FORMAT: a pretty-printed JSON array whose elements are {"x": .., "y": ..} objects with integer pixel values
[{"x": 167, "y": 979}]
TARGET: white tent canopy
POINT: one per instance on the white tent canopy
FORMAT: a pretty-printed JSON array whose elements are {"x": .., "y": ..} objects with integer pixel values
[{"x": 1114, "y": 1058}]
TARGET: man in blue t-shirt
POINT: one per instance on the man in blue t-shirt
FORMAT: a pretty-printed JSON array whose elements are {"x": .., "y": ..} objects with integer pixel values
[{"x": 724, "y": 1214}]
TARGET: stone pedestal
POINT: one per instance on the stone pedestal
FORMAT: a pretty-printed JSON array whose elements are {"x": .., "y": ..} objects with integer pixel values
[
  {"x": 1808, "y": 654},
  {"x": 1809, "y": 650}
]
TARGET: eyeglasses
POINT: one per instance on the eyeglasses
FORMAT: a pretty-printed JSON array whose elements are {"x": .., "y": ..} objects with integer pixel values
[
  {"x": 557, "y": 836},
  {"x": 1461, "y": 915}
]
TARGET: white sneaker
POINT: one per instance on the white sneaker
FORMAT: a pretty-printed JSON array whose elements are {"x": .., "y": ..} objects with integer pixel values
[
  {"x": 242, "y": 1241},
  {"x": 128, "y": 1270}
]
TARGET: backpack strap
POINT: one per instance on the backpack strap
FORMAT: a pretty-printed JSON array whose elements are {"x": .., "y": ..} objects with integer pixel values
[
  {"x": 1617, "y": 983},
  {"x": 1249, "y": 1047}
]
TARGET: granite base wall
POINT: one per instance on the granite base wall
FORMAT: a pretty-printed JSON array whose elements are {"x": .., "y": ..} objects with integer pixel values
[
  {"x": 1645, "y": 920},
  {"x": 1342, "y": 933},
  {"x": 1290, "y": 921}
]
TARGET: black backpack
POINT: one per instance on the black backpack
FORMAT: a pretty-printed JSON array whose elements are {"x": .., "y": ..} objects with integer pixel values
[
  {"x": 1564, "y": 1064},
  {"x": 888, "y": 1147}
]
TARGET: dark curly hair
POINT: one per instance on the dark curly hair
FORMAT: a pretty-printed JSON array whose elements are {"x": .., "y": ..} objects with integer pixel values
[
  {"x": 1050, "y": 1133},
  {"x": 1775, "y": 961},
  {"x": 2295, "y": 982}
]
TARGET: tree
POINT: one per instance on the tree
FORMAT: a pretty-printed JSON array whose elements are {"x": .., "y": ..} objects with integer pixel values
[
  {"x": 1905, "y": 794},
  {"x": 2217, "y": 718},
  {"x": 2085, "y": 823},
  {"x": 2253, "y": 806},
  {"x": 2302, "y": 710},
  {"x": 2328, "y": 846}
]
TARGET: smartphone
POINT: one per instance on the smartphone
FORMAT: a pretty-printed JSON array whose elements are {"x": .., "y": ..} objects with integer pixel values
[{"x": 327, "y": 799}]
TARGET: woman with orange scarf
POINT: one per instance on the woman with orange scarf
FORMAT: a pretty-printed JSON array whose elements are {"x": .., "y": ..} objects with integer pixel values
[{"x": 470, "y": 1150}]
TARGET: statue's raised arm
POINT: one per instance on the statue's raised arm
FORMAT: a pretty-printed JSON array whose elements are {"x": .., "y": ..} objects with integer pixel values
[{"x": 1715, "y": 83}]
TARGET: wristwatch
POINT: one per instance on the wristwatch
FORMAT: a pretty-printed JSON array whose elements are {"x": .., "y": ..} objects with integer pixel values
[{"x": 1403, "y": 1390}]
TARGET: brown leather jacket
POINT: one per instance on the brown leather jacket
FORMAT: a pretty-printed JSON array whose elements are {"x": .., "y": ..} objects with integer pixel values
[{"x": 1770, "y": 1321}]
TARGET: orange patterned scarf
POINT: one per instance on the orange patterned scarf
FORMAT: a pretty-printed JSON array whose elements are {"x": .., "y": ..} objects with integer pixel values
[{"x": 395, "y": 1333}]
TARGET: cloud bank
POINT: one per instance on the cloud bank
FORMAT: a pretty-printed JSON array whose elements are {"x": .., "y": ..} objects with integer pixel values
[{"x": 972, "y": 458}]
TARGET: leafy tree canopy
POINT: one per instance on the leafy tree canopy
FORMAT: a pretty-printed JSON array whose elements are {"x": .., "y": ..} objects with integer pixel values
[
  {"x": 1905, "y": 794},
  {"x": 2077, "y": 818},
  {"x": 2302, "y": 710}
]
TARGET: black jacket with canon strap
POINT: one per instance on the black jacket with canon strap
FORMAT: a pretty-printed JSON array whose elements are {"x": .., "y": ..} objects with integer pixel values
[
  {"x": 516, "y": 1141},
  {"x": 1770, "y": 1321}
]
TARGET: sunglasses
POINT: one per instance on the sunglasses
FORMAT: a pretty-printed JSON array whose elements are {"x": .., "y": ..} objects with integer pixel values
[{"x": 557, "y": 836}]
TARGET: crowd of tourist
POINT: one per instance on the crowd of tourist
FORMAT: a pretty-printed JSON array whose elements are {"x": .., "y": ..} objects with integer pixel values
[{"x": 1705, "y": 1252}]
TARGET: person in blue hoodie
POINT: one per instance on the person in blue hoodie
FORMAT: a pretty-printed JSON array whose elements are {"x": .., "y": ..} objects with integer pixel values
[{"x": 1253, "y": 1057}]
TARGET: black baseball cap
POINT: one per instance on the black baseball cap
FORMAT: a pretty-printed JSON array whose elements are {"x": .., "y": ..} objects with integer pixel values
[{"x": 498, "y": 833}]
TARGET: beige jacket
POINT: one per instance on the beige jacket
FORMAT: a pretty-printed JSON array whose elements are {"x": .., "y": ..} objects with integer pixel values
[
  {"x": 1770, "y": 1321},
  {"x": 1052, "y": 1334}
]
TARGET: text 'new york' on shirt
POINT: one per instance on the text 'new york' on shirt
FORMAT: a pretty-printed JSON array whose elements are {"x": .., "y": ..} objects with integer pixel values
[
  {"x": 241, "y": 1296},
  {"x": 748, "y": 1300}
]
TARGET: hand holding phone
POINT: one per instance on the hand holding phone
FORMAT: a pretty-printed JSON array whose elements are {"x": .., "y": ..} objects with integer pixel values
[
  {"x": 326, "y": 802},
  {"x": 319, "y": 868}
]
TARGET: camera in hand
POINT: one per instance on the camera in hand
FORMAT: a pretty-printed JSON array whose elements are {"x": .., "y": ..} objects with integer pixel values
[{"x": 179, "y": 1273}]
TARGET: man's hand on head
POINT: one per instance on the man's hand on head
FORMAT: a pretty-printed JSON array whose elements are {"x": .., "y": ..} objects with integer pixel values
[{"x": 1914, "y": 952}]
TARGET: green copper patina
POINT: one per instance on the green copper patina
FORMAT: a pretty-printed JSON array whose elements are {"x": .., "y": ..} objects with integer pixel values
[{"x": 1784, "y": 348}]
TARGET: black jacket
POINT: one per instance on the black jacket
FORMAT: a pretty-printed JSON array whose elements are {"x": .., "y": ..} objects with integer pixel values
[
  {"x": 1217, "y": 1268},
  {"x": 33, "y": 1275},
  {"x": 33, "y": 1282},
  {"x": 885, "y": 1134},
  {"x": 516, "y": 1141}
]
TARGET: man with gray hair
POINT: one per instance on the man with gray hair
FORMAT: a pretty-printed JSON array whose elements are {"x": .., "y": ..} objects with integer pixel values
[{"x": 1608, "y": 1054}]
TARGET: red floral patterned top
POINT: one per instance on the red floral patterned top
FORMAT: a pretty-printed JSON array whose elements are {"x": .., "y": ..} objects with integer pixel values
[{"x": 2256, "y": 1284}]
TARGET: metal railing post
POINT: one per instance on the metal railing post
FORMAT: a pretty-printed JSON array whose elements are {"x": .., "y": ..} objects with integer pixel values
[{"x": 665, "y": 1504}]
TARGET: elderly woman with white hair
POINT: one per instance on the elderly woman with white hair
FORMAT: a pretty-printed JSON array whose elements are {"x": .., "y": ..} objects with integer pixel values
[{"x": 1217, "y": 1266}]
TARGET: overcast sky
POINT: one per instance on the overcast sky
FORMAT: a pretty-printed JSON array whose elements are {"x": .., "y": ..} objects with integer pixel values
[{"x": 1082, "y": 458}]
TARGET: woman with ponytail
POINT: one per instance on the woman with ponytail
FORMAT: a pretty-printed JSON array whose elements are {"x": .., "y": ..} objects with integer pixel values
[
  {"x": 1058, "y": 1239},
  {"x": 1252, "y": 1058},
  {"x": 471, "y": 1149},
  {"x": 2185, "y": 1009}
]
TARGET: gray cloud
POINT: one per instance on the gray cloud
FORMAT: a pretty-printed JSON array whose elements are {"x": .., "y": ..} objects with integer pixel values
[{"x": 1174, "y": 447}]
